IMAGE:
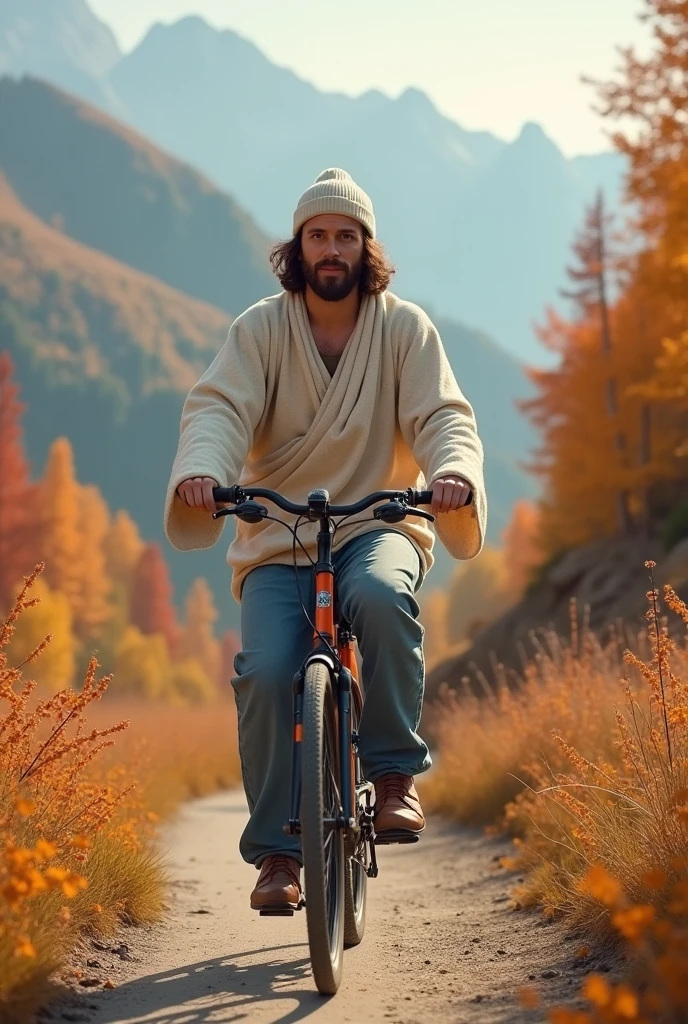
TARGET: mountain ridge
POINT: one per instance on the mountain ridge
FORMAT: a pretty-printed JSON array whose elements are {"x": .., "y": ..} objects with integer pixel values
[{"x": 261, "y": 132}]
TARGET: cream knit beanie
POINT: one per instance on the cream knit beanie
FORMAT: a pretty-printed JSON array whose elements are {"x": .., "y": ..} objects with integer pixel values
[{"x": 335, "y": 191}]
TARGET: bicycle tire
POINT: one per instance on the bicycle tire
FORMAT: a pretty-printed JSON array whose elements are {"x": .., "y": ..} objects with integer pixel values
[
  {"x": 355, "y": 899},
  {"x": 323, "y": 855},
  {"x": 356, "y": 881}
]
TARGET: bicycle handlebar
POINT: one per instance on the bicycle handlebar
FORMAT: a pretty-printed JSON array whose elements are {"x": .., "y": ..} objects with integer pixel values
[{"x": 236, "y": 494}]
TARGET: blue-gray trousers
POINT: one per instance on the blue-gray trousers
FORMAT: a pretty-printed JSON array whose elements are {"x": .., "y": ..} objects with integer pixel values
[{"x": 377, "y": 576}]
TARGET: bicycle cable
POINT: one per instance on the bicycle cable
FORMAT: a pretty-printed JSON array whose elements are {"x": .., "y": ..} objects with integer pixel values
[
  {"x": 292, "y": 530},
  {"x": 298, "y": 586}
]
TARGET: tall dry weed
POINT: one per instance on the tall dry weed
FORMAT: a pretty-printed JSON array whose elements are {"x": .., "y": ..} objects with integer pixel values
[
  {"x": 587, "y": 763},
  {"x": 78, "y": 811}
]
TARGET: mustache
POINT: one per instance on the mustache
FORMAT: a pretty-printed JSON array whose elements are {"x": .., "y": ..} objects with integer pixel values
[{"x": 331, "y": 265}]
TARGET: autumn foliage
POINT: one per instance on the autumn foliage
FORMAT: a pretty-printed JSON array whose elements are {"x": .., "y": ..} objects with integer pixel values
[
  {"x": 80, "y": 794},
  {"x": 104, "y": 588},
  {"x": 613, "y": 411}
]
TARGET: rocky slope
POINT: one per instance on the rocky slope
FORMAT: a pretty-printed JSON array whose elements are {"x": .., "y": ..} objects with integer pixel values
[{"x": 607, "y": 581}]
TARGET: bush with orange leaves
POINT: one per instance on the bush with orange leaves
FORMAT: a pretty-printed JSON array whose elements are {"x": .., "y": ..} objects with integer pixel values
[
  {"x": 590, "y": 758},
  {"x": 74, "y": 847},
  {"x": 78, "y": 811}
]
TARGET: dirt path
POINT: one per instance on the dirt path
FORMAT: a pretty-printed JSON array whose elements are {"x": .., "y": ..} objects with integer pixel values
[{"x": 441, "y": 943}]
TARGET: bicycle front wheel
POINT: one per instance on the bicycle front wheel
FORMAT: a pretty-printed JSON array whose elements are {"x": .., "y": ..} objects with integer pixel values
[{"x": 322, "y": 843}]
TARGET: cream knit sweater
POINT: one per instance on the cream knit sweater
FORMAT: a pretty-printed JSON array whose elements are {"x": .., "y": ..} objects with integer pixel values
[{"x": 266, "y": 413}]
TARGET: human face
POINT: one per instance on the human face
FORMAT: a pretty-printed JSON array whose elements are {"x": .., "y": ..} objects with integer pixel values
[{"x": 332, "y": 255}]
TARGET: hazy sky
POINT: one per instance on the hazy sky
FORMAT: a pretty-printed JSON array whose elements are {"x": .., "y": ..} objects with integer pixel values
[{"x": 488, "y": 64}]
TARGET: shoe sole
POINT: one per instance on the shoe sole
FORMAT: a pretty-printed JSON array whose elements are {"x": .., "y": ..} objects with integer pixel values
[
  {"x": 277, "y": 909},
  {"x": 391, "y": 836}
]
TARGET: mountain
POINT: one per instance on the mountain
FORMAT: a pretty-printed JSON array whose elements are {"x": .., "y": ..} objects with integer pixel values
[
  {"x": 61, "y": 40},
  {"x": 479, "y": 228},
  {"x": 106, "y": 350},
  {"x": 127, "y": 198},
  {"x": 104, "y": 356}
]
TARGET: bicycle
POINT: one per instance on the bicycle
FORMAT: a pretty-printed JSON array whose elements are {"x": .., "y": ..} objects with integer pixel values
[{"x": 330, "y": 799}]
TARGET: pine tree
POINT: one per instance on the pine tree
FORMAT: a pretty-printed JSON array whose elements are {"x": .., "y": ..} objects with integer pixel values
[
  {"x": 150, "y": 597},
  {"x": 197, "y": 639},
  {"x": 19, "y": 510}
]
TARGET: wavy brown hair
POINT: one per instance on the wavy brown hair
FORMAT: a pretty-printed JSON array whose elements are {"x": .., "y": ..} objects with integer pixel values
[{"x": 376, "y": 272}]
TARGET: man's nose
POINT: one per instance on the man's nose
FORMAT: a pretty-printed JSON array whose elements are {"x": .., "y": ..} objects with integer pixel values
[{"x": 332, "y": 247}]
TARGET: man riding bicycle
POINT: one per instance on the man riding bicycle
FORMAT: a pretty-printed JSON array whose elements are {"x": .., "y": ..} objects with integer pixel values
[{"x": 333, "y": 383}]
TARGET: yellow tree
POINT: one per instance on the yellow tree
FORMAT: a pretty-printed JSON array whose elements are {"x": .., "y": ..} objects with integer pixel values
[
  {"x": 478, "y": 595},
  {"x": 54, "y": 669},
  {"x": 142, "y": 666},
  {"x": 122, "y": 546},
  {"x": 521, "y": 548},
  {"x": 191, "y": 684},
  {"x": 92, "y": 609},
  {"x": 60, "y": 497},
  {"x": 197, "y": 638}
]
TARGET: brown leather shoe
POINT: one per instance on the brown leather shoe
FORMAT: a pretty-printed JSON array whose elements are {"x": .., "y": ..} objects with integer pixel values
[
  {"x": 279, "y": 884},
  {"x": 397, "y": 805}
]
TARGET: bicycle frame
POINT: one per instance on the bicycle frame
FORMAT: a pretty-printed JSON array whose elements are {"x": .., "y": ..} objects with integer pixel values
[
  {"x": 345, "y": 684},
  {"x": 332, "y": 645}
]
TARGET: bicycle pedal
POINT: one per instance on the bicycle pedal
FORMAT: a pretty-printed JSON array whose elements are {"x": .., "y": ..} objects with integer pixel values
[
  {"x": 394, "y": 836},
  {"x": 277, "y": 912}
]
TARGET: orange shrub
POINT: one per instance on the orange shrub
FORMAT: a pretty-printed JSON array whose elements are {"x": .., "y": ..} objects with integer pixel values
[{"x": 77, "y": 814}]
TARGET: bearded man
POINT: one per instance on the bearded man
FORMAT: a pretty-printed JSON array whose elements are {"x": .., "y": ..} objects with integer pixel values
[{"x": 333, "y": 383}]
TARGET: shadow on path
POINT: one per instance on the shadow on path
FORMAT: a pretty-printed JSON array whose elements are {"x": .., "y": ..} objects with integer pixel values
[{"x": 222, "y": 989}]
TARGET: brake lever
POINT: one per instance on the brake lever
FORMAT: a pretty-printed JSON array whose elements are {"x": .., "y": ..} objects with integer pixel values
[
  {"x": 419, "y": 512},
  {"x": 225, "y": 512}
]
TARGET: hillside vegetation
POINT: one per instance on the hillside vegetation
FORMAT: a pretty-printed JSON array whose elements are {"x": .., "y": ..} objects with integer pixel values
[
  {"x": 95, "y": 340},
  {"x": 127, "y": 198}
]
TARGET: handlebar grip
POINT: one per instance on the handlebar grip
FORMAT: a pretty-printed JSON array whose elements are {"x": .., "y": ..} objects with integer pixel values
[
  {"x": 425, "y": 498},
  {"x": 226, "y": 494}
]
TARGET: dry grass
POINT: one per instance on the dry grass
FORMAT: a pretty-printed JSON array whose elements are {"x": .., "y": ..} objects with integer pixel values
[
  {"x": 487, "y": 744},
  {"x": 80, "y": 795},
  {"x": 587, "y": 764}
]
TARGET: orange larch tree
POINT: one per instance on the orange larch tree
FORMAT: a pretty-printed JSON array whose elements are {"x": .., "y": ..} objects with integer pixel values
[
  {"x": 150, "y": 598},
  {"x": 521, "y": 547},
  {"x": 19, "y": 526},
  {"x": 60, "y": 541},
  {"x": 650, "y": 99}
]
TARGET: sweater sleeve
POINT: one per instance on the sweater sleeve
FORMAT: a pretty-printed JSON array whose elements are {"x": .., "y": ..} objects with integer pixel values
[
  {"x": 218, "y": 421},
  {"x": 439, "y": 426}
]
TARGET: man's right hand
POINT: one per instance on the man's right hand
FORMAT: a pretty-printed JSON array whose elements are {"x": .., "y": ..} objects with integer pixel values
[{"x": 197, "y": 492}]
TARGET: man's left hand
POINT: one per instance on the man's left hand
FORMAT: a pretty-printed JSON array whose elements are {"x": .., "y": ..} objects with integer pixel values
[{"x": 449, "y": 493}]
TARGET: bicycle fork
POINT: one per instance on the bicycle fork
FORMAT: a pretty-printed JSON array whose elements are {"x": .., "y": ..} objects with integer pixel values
[{"x": 351, "y": 788}]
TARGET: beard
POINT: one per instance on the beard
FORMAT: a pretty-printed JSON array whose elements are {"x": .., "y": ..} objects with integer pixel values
[{"x": 332, "y": 289}]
